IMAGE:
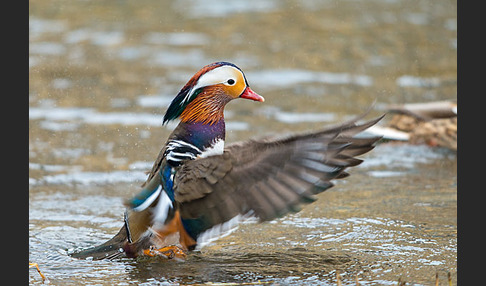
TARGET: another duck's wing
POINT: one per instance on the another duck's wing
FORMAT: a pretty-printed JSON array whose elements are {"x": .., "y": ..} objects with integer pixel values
[{"x": 270, "y": 177}]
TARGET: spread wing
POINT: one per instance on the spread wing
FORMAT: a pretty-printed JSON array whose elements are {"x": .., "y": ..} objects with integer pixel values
[{"x": 268, "y": 177}]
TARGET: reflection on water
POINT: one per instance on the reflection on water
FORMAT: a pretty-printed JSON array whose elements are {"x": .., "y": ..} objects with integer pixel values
[{"x": 102, "y": 73}]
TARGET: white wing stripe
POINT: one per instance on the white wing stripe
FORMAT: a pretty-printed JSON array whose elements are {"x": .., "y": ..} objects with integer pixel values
[
  {"x": 149, "y": 200},
  {"x": 223, "y": 229},
  {"x": 161, "y": 211}
]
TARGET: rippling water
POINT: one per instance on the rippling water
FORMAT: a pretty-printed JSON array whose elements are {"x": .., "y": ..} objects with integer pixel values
[{"x": 101, "y": 74}]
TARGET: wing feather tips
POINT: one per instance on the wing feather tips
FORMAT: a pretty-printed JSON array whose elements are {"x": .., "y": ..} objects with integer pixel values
[
  {"x": 351, "y": 127},
  {"x": 320, "y": 162}
]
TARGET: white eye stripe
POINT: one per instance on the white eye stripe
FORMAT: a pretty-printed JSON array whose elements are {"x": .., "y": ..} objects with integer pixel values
[{"x": 218, "y": 75}]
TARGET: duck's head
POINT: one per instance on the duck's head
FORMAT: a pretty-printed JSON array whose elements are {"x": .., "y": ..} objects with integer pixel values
[{"x": 204, "y": 96}]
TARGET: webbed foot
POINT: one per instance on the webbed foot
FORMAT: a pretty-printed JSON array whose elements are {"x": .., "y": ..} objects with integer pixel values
[{"x": 170, "y": 252}]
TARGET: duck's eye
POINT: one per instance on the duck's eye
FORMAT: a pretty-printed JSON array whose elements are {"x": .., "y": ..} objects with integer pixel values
[{"x": 231, "y": 81}]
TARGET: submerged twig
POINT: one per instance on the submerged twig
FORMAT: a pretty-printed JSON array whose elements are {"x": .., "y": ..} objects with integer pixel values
[
  {"x": 33, "y": 264},
  {"x": 338, "y": 278},
  {"x": 235, "y": 283}
]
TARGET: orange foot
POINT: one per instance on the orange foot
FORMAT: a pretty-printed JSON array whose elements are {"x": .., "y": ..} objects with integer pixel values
[{"x": 171, "y": 251}]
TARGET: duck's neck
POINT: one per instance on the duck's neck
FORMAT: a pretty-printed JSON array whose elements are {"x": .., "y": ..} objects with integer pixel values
[
  {"x": 207, "y": 107},
  {"x": 203, "y": 135}
]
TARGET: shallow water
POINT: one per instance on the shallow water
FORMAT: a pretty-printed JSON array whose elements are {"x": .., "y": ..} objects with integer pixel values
[{"x": 101, "y": 74}]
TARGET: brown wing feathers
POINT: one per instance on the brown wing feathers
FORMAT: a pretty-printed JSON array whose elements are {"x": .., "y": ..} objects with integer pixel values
[{"x": 270, "y": 177}]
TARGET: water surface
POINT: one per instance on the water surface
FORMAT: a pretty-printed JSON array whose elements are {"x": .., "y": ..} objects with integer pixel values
[{"x": 101, "y": 74}]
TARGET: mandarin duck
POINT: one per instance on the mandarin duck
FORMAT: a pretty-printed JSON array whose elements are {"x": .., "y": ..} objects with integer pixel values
[{"x": 198, "y": 188}]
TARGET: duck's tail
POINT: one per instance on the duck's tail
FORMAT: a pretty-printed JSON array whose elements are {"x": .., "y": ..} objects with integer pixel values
[{"x": 112, "y": 249}]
